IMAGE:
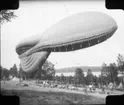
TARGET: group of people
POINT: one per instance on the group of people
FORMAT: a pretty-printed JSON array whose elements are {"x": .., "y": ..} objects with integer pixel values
[
  {"x": 111, "y": 87},
  {"x": 89, "y": 88},
  {"x": 86, "y": 88}
]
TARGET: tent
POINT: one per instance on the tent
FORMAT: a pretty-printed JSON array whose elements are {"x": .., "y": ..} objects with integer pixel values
[
  {"x": 15, "y": 79},
  {"x": 110, "y": 85},
  {"x": 120, "y": 86},
  {"x": 120, "y": 75}
]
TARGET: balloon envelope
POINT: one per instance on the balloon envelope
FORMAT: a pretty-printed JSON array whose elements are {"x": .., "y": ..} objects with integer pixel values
[{"x": 75, "y": 32}]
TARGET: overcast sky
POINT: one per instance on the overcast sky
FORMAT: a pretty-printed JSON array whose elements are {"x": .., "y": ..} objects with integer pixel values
[{"x": 35, "y": 17}]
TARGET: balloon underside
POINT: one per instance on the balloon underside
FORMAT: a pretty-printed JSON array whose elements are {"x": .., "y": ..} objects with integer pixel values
[{"x": 33, "y": 54}]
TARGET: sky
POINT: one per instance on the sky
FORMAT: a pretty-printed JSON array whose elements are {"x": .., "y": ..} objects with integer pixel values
[{"x": 35, "y": 17}]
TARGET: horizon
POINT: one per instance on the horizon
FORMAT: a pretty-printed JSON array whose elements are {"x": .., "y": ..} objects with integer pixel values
[
  {"x": 72, "y": 74},
  {"x": 30, "y": 22},
  {"x": 78, "y": 66}
]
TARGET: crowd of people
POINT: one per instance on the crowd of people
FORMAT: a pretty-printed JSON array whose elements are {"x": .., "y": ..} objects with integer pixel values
[
  {"x": 92, "y": 88},
  {"x": 102, "y": 89}
]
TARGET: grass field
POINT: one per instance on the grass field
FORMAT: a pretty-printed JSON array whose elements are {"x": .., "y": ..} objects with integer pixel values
[{"x": 29, "y": 97}]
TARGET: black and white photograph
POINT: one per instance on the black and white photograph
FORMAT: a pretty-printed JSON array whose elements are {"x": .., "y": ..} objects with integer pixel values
[{"x": 62, "y": 52}]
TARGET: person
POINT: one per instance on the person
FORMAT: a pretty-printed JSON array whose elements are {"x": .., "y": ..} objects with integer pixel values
[
  {"x": 85, "y": 89},
  {"x": 103, "y": 88},
  {"x": 90, "y": 87},
  {"x": 4, "y": 79},
  {"x": 111, "y": 87},
  {"x": 94, "y": 88}
]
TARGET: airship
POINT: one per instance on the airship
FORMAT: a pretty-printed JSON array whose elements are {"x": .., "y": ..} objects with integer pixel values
[{"x": 75, "y": 32}]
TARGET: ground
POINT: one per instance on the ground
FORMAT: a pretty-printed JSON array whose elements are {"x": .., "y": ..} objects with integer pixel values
[
  {"x": 34, "y": 94},
  {"x": 30, "y": 97}
]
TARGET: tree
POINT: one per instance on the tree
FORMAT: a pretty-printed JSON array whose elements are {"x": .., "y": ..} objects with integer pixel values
[
  {"x": 57, "y": 78},
  {"x": 120, "y": 63},
  {"x": 13, "y": 71},
  {"x": 113, "y": 72},
  {"x": 105, "y": 78},
  {"x": 1, "y": 67},
  {"x": 71, "y": 79},
  {"x": 46, "y": 72},
  {"x": 109, "y": 73},
  {"x": 6, "y": 15},
  {"x": 62, "y": 78},
  {"x": 21, "y": 74},
  {"x": 5, "y": 73},
  {"x": 95, "y": 80},
  {"x": 79, "y": 76},
  {"x": 89, "y": 77},
  {"x": 1, "y": 74},
  {"x": 104, "y": 70}
]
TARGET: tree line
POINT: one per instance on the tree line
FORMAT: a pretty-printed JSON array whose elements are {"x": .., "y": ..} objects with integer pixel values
[
  {"x": 47, "y": 71},
  {"x": 109, "y": 73},
  {"x": 79, "y": 78}
]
